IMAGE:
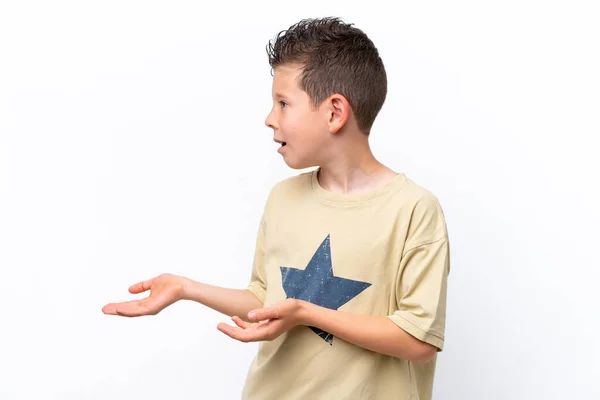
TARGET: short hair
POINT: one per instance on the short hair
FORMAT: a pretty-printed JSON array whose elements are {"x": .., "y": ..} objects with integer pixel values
[{"x": 336, "y": 58}]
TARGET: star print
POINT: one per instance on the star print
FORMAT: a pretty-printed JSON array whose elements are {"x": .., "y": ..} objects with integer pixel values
[{"x": 317, "y": 284}]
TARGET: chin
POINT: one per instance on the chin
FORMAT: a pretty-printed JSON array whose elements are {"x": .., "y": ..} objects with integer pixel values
[{"x": 297, "y": 164}]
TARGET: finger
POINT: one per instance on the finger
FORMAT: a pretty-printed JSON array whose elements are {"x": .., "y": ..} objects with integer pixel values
[
  {"x": 134, "y": 308},
  {"x": 110, "y": 308},
  {"x": 141, "y": 286},
  {"x": 231, "y": 331},
  {"x": 240, "y": 322},
  {"x": 263, "y": 313},
  {"x": 243, "y": 335}
]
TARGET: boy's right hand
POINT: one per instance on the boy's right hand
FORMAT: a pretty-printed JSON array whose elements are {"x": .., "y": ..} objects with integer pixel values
[{"x": 165, "y": 289}]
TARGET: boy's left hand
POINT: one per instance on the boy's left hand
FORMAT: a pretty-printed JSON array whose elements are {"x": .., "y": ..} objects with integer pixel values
[{"x": 268, "y": 323}]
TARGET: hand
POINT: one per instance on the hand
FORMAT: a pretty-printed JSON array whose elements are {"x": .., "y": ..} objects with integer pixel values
[
  {"x": 265, "y": 323},
  {"x": 165, "y": 289}
]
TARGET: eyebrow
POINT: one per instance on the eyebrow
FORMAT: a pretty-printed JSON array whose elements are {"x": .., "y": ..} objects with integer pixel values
[{"x": 278, "y": 94}]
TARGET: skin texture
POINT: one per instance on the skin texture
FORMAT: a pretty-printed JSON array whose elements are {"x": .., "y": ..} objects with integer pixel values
[
  {"x": 327, "y": 137},
  {"x": 166, "y": 289},
  {"x": 374, "y": 333}
]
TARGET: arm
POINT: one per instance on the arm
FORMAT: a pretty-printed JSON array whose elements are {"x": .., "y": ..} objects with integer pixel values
[
  {"x": 227, "y": 301},
  {"x": 166, "y": 289},
  {"x": 373, "y": 333},
  {"x": 421, "y": 294}
]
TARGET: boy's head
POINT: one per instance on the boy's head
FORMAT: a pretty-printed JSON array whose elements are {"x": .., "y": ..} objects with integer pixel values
[{"x": 329, "y": 84}]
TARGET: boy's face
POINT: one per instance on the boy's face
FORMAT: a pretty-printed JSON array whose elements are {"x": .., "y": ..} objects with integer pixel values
[{"x": 304, "y": 131}]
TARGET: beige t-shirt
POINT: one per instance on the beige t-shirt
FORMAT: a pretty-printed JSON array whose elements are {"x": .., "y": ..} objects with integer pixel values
[{"x": 384, "y": 252}]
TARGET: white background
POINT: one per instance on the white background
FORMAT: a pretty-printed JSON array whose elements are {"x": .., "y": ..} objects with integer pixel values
[{"x": 132, "y": 142}]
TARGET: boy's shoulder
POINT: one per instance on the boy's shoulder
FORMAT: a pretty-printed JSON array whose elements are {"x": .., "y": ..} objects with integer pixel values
[
  {"x": 290, "y": 186},
  {"x": 295, "y": 182}
]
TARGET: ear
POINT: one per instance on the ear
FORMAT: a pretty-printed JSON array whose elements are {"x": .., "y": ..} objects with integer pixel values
[{"x": 338, "y": 112}]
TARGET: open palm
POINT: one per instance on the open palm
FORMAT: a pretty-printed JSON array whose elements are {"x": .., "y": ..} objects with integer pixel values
[{"x": 165, "y": 289}]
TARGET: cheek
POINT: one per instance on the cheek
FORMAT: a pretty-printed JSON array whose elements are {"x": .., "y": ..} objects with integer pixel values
[
  {"x": 293, "y": 126},
  {"x": 303, "y": 130},
  {"x": 311, "y": 126}
]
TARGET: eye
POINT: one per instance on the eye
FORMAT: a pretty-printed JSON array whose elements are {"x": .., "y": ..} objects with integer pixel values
[{"x": 283, "y": 104}]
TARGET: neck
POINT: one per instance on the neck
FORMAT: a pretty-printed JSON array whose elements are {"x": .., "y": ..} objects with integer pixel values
[{"x": 353, "y": 168}]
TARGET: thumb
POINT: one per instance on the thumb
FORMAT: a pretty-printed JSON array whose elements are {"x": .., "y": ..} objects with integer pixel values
[
  {"x": 263, "y": 313},
  {"x": 141, "y": 286}
]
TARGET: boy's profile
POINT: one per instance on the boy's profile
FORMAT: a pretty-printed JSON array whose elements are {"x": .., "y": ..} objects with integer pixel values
[{"x": 348, "y": 286}]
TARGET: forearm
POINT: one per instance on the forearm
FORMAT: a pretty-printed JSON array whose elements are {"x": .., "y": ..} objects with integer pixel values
[
  {"x": 375, "y": 333},
  {"x": 224, "y": 300}
]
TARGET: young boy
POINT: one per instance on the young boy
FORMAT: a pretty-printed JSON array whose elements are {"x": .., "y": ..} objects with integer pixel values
[{"x": 348, "y": 286}]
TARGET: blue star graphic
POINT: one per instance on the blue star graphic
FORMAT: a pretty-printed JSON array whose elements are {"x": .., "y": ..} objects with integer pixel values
[{"x": 317, "y": 284}]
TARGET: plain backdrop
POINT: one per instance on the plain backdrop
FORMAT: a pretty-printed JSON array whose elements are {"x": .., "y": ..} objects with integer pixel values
[{"x": 132, "y": 142}]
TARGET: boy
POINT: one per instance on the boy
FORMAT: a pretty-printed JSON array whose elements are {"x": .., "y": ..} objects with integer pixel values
[{"x": 348, "y": 285}]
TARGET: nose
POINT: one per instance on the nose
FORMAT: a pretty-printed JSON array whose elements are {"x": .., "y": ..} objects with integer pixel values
[{"x": 270, "y": 121}]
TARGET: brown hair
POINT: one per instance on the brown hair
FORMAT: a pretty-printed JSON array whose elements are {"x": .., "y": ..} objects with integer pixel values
[{"x": 336, "y": 58}]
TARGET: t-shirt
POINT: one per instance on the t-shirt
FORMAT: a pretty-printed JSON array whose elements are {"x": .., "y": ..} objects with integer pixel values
[{"x": 382, "y": 252}]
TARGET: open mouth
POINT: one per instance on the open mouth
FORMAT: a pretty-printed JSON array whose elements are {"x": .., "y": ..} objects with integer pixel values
[{"x": 282, "y": 145}]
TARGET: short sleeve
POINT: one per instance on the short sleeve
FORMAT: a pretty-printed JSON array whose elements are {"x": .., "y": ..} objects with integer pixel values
[
  {"x": 258, "y": 281},
  {"x": 421, "y": 285}
]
